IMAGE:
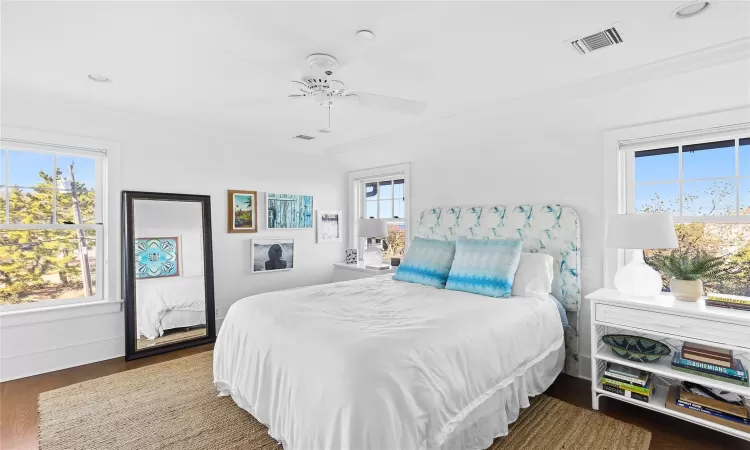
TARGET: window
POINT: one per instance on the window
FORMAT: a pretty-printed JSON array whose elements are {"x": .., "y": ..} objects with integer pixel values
[
  {"x": 383, "y": 194},
  {"x": 51, "y": 223},
  {"x": 706, "y": 186},
  {"x": 385, "y": 199}
]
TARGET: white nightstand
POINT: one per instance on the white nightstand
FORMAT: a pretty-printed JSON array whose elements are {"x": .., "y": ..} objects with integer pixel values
[
  {"x": 672, "y": 321},
  {"x": 345, "y": 272}
]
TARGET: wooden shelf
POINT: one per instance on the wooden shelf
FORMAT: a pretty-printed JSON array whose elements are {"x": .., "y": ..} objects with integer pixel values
[
  {"x": 664, "y": 368},
  {"x": 657, "y": 403}
]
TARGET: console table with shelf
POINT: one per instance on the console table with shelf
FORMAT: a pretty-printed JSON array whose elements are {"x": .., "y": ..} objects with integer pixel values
[{"x": 673, "y": 322}]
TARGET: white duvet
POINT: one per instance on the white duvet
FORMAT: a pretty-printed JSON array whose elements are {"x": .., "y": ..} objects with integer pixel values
[
  {"x": 375, "y": 364},
  {"x": 155, "y": 297}
]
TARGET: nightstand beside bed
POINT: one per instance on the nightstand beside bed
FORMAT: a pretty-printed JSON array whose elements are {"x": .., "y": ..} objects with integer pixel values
[
  {"x": 346, "y": 272},
  {"x": 666, "y": 319}
]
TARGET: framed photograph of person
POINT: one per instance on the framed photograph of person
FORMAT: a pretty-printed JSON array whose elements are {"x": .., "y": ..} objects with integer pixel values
[
  {"x": 242, "y": 211},
  {"x": 329, "y": 226},
  {"x": 272, "y": 254}
]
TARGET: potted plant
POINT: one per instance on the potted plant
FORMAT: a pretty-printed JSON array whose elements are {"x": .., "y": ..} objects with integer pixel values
[{"x": 688, "y": 271}]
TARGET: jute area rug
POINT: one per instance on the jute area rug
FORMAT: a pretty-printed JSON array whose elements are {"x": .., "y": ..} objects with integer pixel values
[{"x": 173, "y": 405}]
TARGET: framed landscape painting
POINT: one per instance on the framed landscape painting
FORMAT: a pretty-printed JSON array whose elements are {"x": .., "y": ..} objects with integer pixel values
[
  {"x": 242, "y": 211},
  {"x": 329, "y": 226},
  {"x": 272, "y": 254},
  {"x": 289, "y": 211}
]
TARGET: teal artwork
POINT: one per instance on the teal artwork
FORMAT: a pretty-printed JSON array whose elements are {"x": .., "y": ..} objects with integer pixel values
[
  {"x": 289, "y": 211},
  {"x": 157, "y": 257}
]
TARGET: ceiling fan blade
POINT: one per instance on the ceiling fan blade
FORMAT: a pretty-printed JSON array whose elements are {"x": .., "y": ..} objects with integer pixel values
[
  {"x": 297, "y": 96},
  {"x": 401, "y": 105}
]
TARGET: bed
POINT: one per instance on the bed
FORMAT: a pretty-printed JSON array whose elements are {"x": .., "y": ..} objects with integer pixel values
[
  {"x": 384, "y": 364},
  {"x": 169, "y": 303}
]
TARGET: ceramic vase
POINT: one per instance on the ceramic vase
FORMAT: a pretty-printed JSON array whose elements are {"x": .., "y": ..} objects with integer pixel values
[{"x": 686, "y": 290}]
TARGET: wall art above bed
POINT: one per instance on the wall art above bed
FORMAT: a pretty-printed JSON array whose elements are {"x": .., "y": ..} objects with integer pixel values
[{"x": 544, "y": 228}]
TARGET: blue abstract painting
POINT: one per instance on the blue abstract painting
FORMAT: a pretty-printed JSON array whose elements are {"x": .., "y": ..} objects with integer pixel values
[
  {"x": 157, "y": 257},
  {"x": 289, "y": 211}
]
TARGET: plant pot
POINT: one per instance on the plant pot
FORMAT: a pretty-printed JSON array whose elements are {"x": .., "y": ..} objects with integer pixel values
[{"x": 686, "y": 290}]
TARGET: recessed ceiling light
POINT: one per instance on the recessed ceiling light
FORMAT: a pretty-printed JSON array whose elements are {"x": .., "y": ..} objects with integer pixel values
[
  {"x": 99, "y": 78},
  {"x": 365, "y": 35},
  {"x": 691, "y": 9}
]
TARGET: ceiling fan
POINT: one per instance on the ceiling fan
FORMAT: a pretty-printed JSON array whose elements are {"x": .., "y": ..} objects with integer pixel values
[{"x": 320, "y": 87}]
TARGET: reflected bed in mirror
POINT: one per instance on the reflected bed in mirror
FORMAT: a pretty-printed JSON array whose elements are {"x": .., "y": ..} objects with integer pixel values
[{"x": 168, "y": 275}]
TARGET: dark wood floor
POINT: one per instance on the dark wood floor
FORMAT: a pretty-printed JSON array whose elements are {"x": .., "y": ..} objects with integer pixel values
[{"x": 19, "y": 419}]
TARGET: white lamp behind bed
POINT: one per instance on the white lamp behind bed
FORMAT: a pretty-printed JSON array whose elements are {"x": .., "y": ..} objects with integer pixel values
[
  {"x": 373, "y": 229},
  {"x": 639, "y": 232}
]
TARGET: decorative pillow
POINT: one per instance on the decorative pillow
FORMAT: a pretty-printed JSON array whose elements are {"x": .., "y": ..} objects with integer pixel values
[
  {"x": 484, "y": 266},
  {"x": 428, "y": 262},
  {"x": 534, "y": 275}
]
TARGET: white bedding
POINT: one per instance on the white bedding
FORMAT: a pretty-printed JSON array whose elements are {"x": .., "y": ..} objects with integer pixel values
[
  {"x": 154, "y": 298},
  {"x": 381, "y": 364}
]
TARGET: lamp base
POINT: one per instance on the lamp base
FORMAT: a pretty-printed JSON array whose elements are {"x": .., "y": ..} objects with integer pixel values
[
  {"x": 372, "y": 255},
  {"x": 638, "y": 279}
]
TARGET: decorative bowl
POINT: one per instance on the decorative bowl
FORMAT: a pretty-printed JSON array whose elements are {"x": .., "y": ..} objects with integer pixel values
[{"x": 636, "y": 348}]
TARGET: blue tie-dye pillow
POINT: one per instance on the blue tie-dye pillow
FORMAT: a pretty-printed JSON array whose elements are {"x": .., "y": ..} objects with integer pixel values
[
  {"x": 427, "y": 262},
  {"x": 484, "y": 266}
]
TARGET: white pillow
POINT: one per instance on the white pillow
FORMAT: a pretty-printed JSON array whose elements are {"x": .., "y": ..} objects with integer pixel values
[{"x": 534, "y": 275}]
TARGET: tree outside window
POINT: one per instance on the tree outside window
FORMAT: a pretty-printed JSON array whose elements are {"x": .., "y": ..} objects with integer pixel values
[{"x": 56, "y": 260}]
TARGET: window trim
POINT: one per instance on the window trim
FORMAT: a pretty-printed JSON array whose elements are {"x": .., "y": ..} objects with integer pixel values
[
  {"x": 355, "y": 184},
  {"x": 107, "y": 211}
]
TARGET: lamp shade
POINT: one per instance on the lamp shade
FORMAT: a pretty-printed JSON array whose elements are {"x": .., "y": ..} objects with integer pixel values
[
  {"x": 373, "y": 228},
  {"x": 641, "y": 231}
]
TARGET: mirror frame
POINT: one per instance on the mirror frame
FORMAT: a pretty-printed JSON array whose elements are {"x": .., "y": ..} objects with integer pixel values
[{"x": 128, "y": 275}]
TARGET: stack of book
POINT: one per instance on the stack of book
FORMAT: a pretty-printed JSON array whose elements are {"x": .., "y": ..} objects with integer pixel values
[
  {"x": 710, "y": 404},
  {"x": 628, "y": 382},
  {"x": 728, "y": 301},
  {"x": 710, "y": 362}
]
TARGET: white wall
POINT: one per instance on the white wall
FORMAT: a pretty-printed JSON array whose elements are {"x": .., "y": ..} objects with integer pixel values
[{"x": 160, "y": 155}]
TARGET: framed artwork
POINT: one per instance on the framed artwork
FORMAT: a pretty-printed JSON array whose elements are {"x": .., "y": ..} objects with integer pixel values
[
  {"x": 289, "y": 211},
  {"x": 272, "y": 254},
  {"x": 329, "y": 226},
  {"x": 157, "y": 257},
  {"x": 242, "y": 211}
]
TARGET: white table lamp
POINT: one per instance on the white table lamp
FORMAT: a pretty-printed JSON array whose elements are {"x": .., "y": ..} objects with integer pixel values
[
  {"x": 639, "y": 232},
  {"x": 373, "y": 229}
]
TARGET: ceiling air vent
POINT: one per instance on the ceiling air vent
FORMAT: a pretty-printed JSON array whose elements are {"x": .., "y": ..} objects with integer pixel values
[
  {"x": 304, "y": 137},
  {"x": 596, "y": 41}
]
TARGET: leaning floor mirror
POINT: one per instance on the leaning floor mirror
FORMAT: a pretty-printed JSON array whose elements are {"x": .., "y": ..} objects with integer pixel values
[{"x": 167, "y": 281}]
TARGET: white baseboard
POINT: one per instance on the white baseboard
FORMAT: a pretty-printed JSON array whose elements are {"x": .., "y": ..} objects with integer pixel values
[{"x": 53, "y": 359}]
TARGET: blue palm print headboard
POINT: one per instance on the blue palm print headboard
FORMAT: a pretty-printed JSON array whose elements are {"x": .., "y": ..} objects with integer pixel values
[{"x": 546, "y": 228}]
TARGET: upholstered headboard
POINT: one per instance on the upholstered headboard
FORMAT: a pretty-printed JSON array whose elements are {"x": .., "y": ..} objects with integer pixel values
[{"x": 546, "y": 228}]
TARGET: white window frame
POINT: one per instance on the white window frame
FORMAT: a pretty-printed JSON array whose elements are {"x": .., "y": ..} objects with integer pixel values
[
  {"x": 106, "y": 214},
  {"x": 356, "y": 183}
]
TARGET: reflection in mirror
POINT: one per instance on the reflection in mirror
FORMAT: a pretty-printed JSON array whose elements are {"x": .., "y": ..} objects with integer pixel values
[{"x": 170, "y": 294}]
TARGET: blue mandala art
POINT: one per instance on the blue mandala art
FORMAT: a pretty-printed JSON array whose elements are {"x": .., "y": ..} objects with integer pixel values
[{"x": 156, "y": 257}]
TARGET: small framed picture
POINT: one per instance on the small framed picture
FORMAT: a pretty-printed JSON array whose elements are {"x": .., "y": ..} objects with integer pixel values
[
  {"x": 329, "y": 226},
  {"x": 242, "y": 211},
  {"x": 272, "y": 254}
]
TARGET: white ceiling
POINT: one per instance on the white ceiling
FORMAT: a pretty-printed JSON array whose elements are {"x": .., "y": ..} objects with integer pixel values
[{"x": 227, "y": 64}]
